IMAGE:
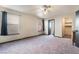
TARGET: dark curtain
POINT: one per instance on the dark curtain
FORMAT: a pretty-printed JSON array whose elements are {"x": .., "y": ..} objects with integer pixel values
[
  {"x": 43, "y": 24},
  {"x": 4, "y": 23}
]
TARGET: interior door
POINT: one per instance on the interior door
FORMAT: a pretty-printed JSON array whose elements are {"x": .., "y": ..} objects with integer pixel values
[
  {"x": 51, "y": 27},
  {"x": 77, "y": 29}
]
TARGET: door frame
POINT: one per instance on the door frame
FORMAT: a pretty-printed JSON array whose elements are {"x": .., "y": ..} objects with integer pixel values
[{"x": 49, "y": 30}]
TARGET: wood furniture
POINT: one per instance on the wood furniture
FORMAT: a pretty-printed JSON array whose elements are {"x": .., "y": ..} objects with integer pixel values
[{"x": 67, "y": 28}]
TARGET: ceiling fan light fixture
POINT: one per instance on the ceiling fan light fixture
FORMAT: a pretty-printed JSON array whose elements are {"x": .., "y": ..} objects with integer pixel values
[
  {"x": 45, "y": 12},
  {"x": 46, "y": 9}
]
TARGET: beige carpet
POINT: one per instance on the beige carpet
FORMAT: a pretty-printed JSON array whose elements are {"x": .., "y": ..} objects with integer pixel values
[{"x": 40, "y": 45}]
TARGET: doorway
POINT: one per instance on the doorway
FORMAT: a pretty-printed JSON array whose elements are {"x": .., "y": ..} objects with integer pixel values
[
  {"x": 76, "y": 30},
  {"x": 67, "y": 27},
  {"x": 51, "y": 27}
]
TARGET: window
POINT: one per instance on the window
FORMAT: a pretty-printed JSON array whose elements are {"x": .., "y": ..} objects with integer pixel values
[{"x": 13, "y": 23}]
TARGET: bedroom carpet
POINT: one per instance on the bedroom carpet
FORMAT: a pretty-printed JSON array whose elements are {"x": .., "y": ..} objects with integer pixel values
[{"x": 45, "y": 44}]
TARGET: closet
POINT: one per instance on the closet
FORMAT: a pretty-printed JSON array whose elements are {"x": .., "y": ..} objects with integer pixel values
[{"x": 67, "y": 27}]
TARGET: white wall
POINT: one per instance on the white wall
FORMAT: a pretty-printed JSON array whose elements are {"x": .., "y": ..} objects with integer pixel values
[
  {"x": 73, "y": 21},
  {"x": 46, "y": 26},
  {"x": 58, "y": 26},
  {"x": 28, "y": 27}
]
